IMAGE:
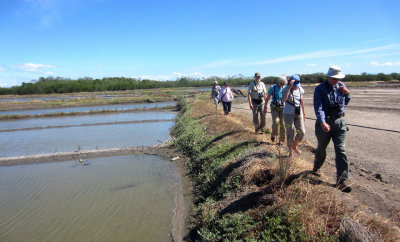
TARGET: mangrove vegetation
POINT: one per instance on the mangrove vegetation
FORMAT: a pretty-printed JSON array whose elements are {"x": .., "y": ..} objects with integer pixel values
[{"x": 47, "y": 85}]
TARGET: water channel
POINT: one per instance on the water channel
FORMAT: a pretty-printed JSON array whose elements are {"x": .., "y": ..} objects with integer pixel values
[{"x": 117, "y": 198}]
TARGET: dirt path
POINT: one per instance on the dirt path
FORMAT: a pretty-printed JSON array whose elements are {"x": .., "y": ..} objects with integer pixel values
[{"x": 372, "y": 147}]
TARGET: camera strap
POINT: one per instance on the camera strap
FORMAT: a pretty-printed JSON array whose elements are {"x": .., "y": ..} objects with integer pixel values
[
  {"x": 276, "y": 95},
  {"x": 294, "y": 104},
  {"x": 258, "y": 87},
  {"x": 332, "y": 93},
  {"x": 226, "y": 90}
]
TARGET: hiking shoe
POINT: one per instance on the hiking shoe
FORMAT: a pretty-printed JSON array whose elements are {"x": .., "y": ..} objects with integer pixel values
[
  {"x": 272, "y": 138},
  {"x": 343, "y": 186},
  {"x": 260, "y": 131},
  {"x": 316, "y": 172}
]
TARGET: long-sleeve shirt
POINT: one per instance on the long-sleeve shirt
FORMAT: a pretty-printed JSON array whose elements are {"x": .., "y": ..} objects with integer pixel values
[
  {"x": 225, "y": 94},
  {"x": 215, "y": 91},
  {"x": 329, "y": 101}
]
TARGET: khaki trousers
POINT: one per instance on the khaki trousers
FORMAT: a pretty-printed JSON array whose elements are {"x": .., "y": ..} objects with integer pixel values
[
  {"x": 294, "y": 127},
  {"x": 216, "y": 102},
  {"x": 278, "y": 123},
  {"x": 258, "y": 115}
]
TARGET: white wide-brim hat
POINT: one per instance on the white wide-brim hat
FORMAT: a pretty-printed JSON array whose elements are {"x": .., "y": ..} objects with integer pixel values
[{"x": 335, "y": 72}]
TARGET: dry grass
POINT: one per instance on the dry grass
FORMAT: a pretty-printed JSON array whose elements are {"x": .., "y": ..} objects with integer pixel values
[
  {"x": 318, "y": 206},
  {"x": 218, "y": 124}
]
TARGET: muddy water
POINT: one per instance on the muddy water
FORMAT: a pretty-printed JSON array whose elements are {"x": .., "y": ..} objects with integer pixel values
[
  {"x": 125, "y": 198},
  {"x": 91, "y": 108},
  {"x": 42, "y": 141},
  {"x": 83, "y": 120}
]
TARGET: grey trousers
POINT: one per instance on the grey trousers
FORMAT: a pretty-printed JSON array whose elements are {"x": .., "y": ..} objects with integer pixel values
[
  {"x": 277, "y": 123},
  {"x": 296, "y": 132},
  {"x": 216, "y": 102},
  {"x": 337, "y": 133},
  {"x": 258, "y": 115}
]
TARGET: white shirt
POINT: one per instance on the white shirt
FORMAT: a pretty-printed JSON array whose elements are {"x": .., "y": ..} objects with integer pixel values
[
  {"x": 226, "y": 94},
  {"x": 293, "y": 95}
]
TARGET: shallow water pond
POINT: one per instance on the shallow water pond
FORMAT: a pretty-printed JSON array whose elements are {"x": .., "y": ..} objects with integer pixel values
[
  {"x": 41, "y": 141},
  {"x": 91, "y": 108},
  {"x": 124, "y": 198},
  {"x": 84, "y": 119}
]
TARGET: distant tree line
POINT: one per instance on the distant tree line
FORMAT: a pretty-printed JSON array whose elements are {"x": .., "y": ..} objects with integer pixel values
[{"x": 50, "y": 84}]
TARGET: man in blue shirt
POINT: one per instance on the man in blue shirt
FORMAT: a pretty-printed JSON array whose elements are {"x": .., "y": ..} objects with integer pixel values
[{"x": 330, "y": 99}]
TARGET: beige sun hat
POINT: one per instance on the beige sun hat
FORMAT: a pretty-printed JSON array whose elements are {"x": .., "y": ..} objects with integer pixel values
[
  {"x": 335, "y": 72},
  {"x": 282, "y": 78},
  {"x": 257, "y": 74}
]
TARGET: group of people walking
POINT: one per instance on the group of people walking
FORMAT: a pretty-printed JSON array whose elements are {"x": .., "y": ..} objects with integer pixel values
[
  {"x": 223, "y": 95},
  {"x": 288, "y": 115},
  {"x": 287, "y": 109}
]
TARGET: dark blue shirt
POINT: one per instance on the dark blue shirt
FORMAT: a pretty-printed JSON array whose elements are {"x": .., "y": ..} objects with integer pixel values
[{"x": 329, "y": 101}]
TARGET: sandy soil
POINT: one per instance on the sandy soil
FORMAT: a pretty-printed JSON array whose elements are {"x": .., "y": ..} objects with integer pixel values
[{"x": 372, "y": 146}]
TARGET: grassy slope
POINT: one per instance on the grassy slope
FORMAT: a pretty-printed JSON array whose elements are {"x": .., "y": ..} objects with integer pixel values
[{"x": 246, "y": 191}]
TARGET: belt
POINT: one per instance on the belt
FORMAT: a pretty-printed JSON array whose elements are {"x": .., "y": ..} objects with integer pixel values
[
  {"x": 257, "y": 101},
  {"x": 335, "y": 116}
]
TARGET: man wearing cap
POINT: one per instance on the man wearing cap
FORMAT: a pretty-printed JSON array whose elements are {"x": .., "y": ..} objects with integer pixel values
[
  {"x": 215, "y": 94},
  {"x": 330, "y": 99},
  {"x": 277, "y": 105},
  {"x": 294, "y": 113},
  {"x": 257, "y": 93}
]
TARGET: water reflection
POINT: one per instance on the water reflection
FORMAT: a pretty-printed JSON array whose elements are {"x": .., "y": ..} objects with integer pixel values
[
  {"x": 91, "y": 108},
  {"x": 65, "y": 97},
  {"x": 40, "y": 141},
  {"x": 85, "y": 119},
  {"x": 126, "y": 198}
]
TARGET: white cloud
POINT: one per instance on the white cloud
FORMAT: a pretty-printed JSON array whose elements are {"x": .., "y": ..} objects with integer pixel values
[
  {"x": 2, "y": 68},
  {"x": 391, "y": 64},
  {"x": 46, "y": 11},
  {"x": 374, "y": 63},
  {"x": 305, "y": 56},
  {"x": 37, "y": 68},
  {"x": 382, "y": 55},
  {"x": 178, "y": 74},
  {"x": 5, "y": 84},
  {"x": 324, "y": 54},
  {"x": 312, "y": 65},
  {"x": 374, "y": 41}
]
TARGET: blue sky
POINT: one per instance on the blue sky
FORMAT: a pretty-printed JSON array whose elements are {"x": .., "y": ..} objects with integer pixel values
[{"x": 165, "y": 40}]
